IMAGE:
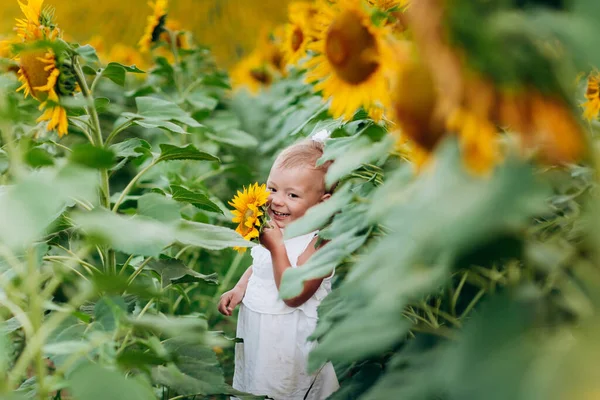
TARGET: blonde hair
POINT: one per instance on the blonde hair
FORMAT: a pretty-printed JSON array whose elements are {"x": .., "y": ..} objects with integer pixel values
[{"x": 305, "y": 153}]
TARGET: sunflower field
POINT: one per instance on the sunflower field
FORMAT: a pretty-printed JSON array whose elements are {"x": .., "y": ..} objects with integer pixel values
[{"x": 464, "y": 229}]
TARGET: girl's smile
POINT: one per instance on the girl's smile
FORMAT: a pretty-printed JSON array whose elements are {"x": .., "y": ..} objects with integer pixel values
[{"x": 293, "y": 191}]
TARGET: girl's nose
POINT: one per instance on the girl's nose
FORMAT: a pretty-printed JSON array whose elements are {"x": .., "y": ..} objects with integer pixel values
[{"x": 275, "y": 199}]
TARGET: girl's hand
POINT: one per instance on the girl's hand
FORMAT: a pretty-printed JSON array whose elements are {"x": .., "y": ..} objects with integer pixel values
[
  {"x": 271, "y": 237},
  {"x": 229, "y": 301}
]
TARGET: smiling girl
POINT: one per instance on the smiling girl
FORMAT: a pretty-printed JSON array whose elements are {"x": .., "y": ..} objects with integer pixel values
[{"x": 272, "y": 359}]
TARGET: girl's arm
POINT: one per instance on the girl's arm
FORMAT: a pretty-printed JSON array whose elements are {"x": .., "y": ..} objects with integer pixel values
[
  {"x": 281, "y": 262},
  {"x": 230, "y": 299}
]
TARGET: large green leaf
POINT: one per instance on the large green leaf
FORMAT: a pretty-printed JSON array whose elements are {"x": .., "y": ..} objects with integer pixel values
[
  {"x": 189, "y": 328},
  {"x": 108, "y": 311},
  {"x": 93, "y": 382},
  {"x": 116, "y": 72},
  {"x": 158, "y": 207},
  {"x": 131, "y": 235},
  {"x": 155, "y": 108},
  {"x": 131, "y": 148},
  {"x": 434, "y": 219},
  {"x": 88, "y": 53},
  {"x": 199, "y": 200},
  {"x": 321, "y": 264},
  {"x": 169, "y": 152},
  {"x": 209, "y": 236},
  {"x": 91, "y": 156},
  {"x": 350, "y": 153},
  {"x": 158, "y": 113},
  {"x": 202, "y": 101},
  {"x": 33, "y": 202},
  {"x": 234, "y": 137},
  {"x": 175, "y": 271}
]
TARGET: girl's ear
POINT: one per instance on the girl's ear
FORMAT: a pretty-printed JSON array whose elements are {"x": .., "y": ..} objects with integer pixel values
[{"x": 326, "y": 196}]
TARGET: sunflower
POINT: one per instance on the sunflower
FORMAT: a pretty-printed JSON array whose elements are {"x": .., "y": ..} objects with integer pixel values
[
  {"x": 353, "y": 60},
  {"x": 592, "y": 94},
  {"x": 40, "y": 75},
  {"x": 6, "y": 46},
  {"x": 252, "y": 73},
  {"x": 296, "y": 39},
  {"x": 388, "y": 4},
  {"x": 269, "y": 48},
  {"x": 182, "y": 40},
  {"x": 479, "y": 140},
  {"x": 155, "y": 25},
  {"x": 249, "y": 207},
  {"x": 299, "y": 31},
  {"x": 413, "y": 102},
  {"x": 38, "y": 22}
]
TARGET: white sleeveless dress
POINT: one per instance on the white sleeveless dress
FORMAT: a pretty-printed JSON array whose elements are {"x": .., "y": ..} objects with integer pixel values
[{"x": 272, "y": 359}]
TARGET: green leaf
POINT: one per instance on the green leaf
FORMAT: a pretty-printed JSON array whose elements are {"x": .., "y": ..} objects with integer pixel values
[
  {"x": 209, "y": 236},
  {"x": 183, "y": 384},
  {"x": 158, "y": 207},
  {"x": 88, "y": 70},
  {"x": 186, "y": 328},
  {"x": 101, "y": 104},
  {"x": 169, "y": 152},
  {"x": 38, "y": 157},
  {"x": 320, "y": 264},
  {"x": 88, "y": 155},
  {"x": 302, "y": 114},
  {"x": 29, "y": 206},
  {"x": 199, "y": 200},
  {"x": 93, "y": 382},
  {"x": 350, "y": 153},
  {"x": 4, "y": 163},
  {"x": 234, "y": 137},
  {"x": 152, "y": 107},
  {"x": 14, "y": 396},
  {"x": 108, "y": 311},
  {"x": 131, "y": 148},
  {"x": 131, "y": 235},
  {"x": 217, "y": 81},
  {"x": 156, "y": 123},
  {"x": 116, "y": 72},
  {"x": 317, "y": 216},
  {"x": 174, "y": 271},
  {"x": 202, "y": 101},
  {"x": 88, "y": 53},
  {"x": 136, "y": 359},
  {"x": 196, "y": 360}
]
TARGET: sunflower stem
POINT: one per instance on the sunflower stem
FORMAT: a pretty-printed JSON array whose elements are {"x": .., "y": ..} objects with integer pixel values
[
  {"x": 130, "y": 186},
  {"x": 116, "y": 131},
  {"x": 176, "y": 61},
  {"x": 110, "y": 261},
  {"x": 36, "y": 316}
]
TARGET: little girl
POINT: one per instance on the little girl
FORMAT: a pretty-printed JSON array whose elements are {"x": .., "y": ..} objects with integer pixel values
[{"x": 272, "y": 359}]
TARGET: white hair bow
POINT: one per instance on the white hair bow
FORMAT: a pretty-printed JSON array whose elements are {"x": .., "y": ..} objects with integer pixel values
[{"x": 321, "y": 136}]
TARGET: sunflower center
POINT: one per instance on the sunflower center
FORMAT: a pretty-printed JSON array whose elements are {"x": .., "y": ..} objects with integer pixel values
[
  {"x": 34, "y": 70},
  {"x": 261, "y": 75},
  {"x": 159, "y": 28},
  {"x": 297, "y": 38},
  {"x": 248, "y": 214},
  {"x": 351, "y": 48}
]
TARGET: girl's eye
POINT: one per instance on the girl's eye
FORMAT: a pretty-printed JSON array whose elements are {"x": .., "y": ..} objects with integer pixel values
[
  {"x": 271, "y": 190},
  {"x": 293, "y": 196}
]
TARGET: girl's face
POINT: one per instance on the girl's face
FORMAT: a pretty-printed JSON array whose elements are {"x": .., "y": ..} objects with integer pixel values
[{"x": 293, "y": 191}]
